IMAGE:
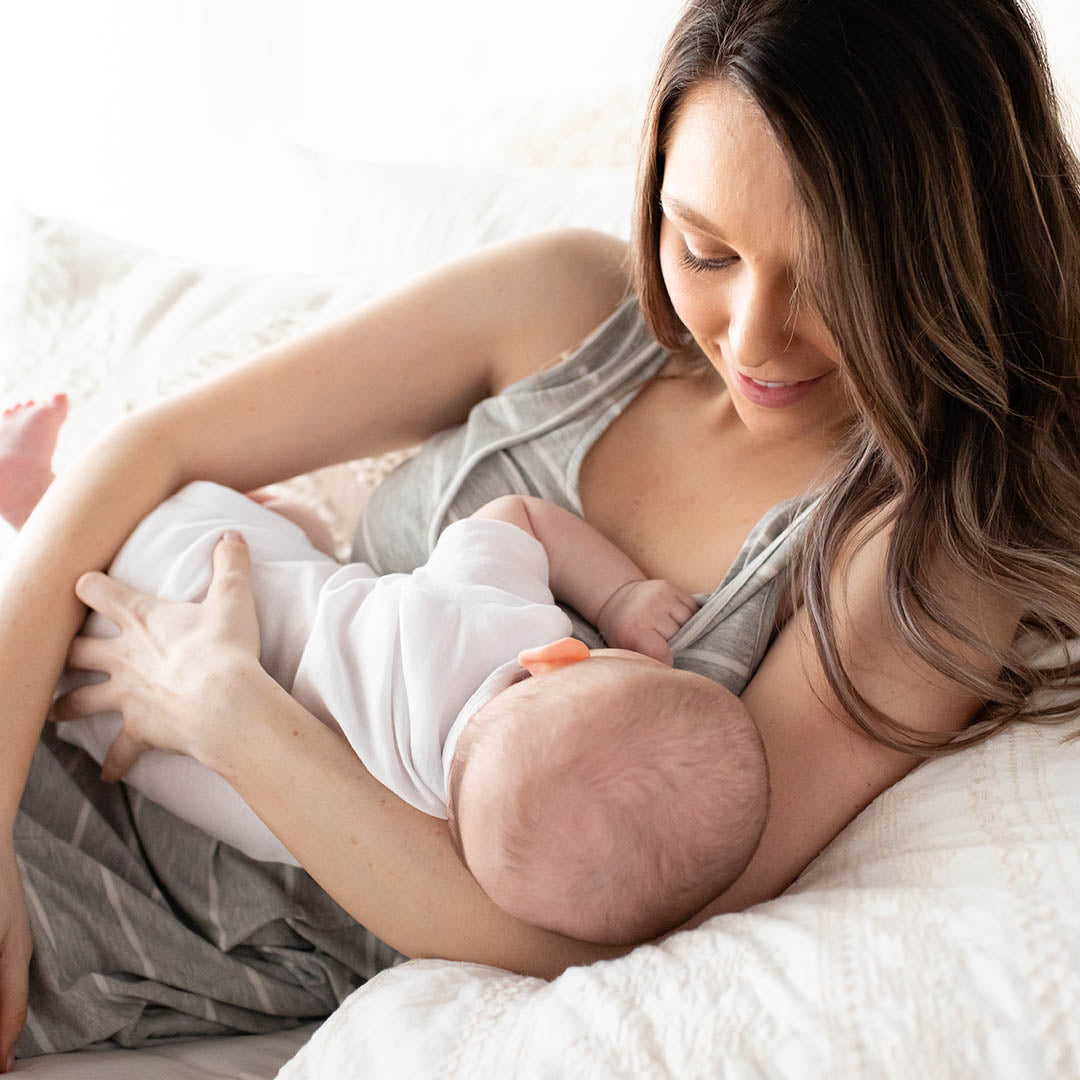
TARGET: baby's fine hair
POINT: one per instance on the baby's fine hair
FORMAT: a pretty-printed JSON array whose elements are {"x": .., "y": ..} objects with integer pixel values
[{"x": 624, "y": 805}]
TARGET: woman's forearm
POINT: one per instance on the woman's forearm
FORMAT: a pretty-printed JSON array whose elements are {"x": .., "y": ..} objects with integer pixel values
[
  {"x": 80, "y": 523},
  {"x": 390, "y": 866}
]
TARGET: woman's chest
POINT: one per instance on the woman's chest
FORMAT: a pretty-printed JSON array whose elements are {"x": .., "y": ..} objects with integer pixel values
[{"x": 679, "y": 490}]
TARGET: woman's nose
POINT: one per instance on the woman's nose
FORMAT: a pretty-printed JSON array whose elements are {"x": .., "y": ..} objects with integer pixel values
[{"x": 761, "y": 324}]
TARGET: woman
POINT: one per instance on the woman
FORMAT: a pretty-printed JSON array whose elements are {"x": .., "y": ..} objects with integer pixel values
[{"x": 859, "y": 237}]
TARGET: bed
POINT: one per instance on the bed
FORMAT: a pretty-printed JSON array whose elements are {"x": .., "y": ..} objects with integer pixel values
[{"x": 938, "y": 935}]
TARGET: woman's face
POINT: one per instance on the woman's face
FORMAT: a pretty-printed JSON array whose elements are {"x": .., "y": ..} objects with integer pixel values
[{"x": 728, "y": 252}]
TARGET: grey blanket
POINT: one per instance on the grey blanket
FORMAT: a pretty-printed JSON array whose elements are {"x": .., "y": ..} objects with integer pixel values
[{"x": 146, "y": 928}]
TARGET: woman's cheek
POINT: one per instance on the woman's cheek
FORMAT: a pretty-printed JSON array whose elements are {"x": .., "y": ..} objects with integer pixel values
[
  {"x": 689, "y": 306},
  {"x": 699, "y": 307},
  {"x": 694, "y": 296},
  {"x": 679, "y": 290}
]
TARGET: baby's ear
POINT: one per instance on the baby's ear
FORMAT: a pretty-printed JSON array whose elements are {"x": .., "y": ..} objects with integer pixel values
[{"x": 554, "y": 655}]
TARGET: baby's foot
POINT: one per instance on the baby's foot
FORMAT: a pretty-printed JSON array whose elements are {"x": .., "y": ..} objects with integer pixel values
[{"x": 27, "y": 439}]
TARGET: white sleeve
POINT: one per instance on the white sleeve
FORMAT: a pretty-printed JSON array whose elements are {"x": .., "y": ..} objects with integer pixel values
[
  {"x": 169, "y": 555},
  {"x": 396, "y": 670},
  {"x": 479, "y": 551}
]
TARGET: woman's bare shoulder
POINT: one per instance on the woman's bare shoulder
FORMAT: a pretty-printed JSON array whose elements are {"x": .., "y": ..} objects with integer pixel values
[{"x": 555, "y": 289}]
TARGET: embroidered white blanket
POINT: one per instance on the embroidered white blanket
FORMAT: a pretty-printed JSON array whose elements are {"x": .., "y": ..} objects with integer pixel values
[{"x": 937, "y": 936}]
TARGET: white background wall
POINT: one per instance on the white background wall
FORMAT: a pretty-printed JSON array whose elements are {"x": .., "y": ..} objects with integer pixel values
[{"x": 123, "y": 112}]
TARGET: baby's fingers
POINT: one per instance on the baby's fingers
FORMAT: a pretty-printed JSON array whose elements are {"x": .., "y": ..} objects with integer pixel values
[
  {"x": 681, "y": 612},
  {"x": 654, "y": 644},
  {"x": 665, "y": 625},
  {"x": 687, "y": 600}
]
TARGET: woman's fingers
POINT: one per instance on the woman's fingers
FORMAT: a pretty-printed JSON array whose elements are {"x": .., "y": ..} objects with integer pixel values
[
  {"x": 123, "y": 753},
  {"x": 232, "y": 564},
  {"x": 230, "y": 593},
  {"x": 169, "y": 663},
  {"x": 84, "y": 701},
  {"x": 90, "y": 653},
  {"x": 112, "y": 599}
]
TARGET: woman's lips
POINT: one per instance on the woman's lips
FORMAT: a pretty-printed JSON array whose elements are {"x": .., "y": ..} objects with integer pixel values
[{"x": 773, "y": 397}]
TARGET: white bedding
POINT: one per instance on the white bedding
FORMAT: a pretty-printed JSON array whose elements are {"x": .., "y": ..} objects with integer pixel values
[{"x": 938, "y": 936}]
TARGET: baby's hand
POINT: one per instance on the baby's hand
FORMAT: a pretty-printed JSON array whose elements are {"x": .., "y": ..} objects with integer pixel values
[{"x": 642, "y": 615}]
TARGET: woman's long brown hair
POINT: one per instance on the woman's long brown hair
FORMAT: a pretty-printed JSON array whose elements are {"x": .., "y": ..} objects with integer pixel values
[{"x": 943, "y": 252}]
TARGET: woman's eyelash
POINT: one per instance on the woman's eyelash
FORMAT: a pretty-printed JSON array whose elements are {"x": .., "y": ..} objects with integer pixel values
[{"x": 701, "y": 266}]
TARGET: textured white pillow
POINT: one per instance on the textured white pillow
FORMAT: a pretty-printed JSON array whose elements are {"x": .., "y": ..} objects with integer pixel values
[
  {"x": 387, "y": 222},
  {"x": 937, "y": 936},
  {"x": 118, "y": 326}
]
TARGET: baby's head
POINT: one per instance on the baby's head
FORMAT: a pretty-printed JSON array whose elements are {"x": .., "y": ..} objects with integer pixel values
[{"x": 608, "y": 799}]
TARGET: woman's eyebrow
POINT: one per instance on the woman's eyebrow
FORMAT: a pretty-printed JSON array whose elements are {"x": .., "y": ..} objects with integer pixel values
[{"x": 690, "y": 215}]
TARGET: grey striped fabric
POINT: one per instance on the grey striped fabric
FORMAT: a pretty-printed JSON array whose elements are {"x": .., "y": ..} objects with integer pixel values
[
  {"x": 146, "y": 928},
  {"x": 531, "y": 440}
]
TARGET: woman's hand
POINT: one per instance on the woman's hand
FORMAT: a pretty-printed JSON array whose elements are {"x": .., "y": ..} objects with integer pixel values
[{"x": 174, "y": 669}]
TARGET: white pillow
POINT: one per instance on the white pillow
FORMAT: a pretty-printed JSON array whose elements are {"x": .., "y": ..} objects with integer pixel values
[
  {"x": 117, "y": 326},
  {"x": 295, "y": 210},
  {"x": 388, "y": 222},
  {"x": 937, "y": 936}
]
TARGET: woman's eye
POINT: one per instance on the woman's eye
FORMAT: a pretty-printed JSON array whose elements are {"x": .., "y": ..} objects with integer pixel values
[{"x": 693, "y": 262}]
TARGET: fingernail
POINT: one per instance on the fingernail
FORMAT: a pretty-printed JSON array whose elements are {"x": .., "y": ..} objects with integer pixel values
[{"x": 232, "y": 534}]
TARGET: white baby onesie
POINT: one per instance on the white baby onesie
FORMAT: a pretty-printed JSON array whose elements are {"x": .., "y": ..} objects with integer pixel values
[{"x": 396, "y": 663}]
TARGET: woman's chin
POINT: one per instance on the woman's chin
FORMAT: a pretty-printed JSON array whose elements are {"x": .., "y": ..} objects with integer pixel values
[
  {"x": 783, "y": 425},
  {"x": 816, "y": 413}
]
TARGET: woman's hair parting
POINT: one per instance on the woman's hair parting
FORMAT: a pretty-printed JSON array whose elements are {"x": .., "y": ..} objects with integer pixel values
[{"x": 942, "y": 210}]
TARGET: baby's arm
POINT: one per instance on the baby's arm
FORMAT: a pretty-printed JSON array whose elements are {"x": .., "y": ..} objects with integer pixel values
[{"x": 599, "y": 580}]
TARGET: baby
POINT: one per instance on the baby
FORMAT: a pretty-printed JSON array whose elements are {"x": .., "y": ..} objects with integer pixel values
[{"x": 603, "y": 794}]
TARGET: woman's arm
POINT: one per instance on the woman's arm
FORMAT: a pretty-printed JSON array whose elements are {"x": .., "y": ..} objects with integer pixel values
[
  {"x": 396, "y": 871},
  {"x": 390, "y": 375},
  {"x": 399, "y": 370},
  {"x": 823, "y": 770},
  {"x": 77, "y": 525},
  {"x": 389, "y": 865},
  {"x": 72, "y": 525},
  {"x": 188, "y": 679},
  {"x": 402, "y": 368}
]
